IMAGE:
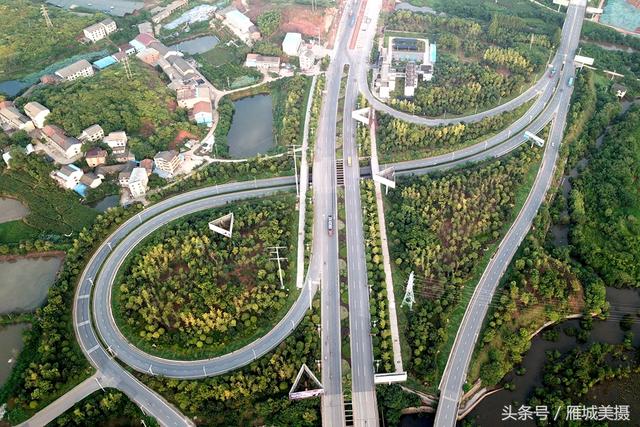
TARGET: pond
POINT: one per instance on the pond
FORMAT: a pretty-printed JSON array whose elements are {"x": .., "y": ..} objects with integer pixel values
[
  {"x": 10, "y": 345},
  {"x": 11, "y": 210},
  {"x": 197, "y": 45},
  {"x": 251, "y": 130},
  {"x": 12, "y": 87},
  {"x": 24, "y": 283},
  {"x": 106, "y": 203}
]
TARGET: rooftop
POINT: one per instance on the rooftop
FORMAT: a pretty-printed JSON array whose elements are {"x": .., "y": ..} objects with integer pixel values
[{"x": 72, "y": 69}]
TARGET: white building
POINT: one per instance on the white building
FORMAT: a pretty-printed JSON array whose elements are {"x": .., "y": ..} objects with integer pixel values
[
  {"x": 117, "y": 141},
  {"x": 240, "y": 24},
  {"x": 68, "y": 176},
  {"x": 78, "y": 69},
  {"x": 70, "y": 146},
  {"x": 100, "y": 30},
  {"x": 138, "y": 181},
  {"x": 291, "y": 43},
  {"x": 92, "y": 134},
  {"x": 37, "y": 112},
  {"x": 263, "y": 63},
  {"x": 167, "y": 162},
  {"x": 12, "y": 118}
]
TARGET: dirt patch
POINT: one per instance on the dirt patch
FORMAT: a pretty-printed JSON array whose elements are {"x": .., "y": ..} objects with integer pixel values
[
  {"x": 172, "y": 105},
  {"x": 295, "y": 17},
  {"x": 388, "y": 6},
  {"x": 179, "y": 139},
  {"x": 147, "y": 129}
]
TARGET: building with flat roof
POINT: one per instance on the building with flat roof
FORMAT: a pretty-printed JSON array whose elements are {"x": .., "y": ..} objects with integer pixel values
[
  {"x": 167, "y": 163},
  {"x": 117, "y": 141},
  {"x": 188, "y": 96},
  {"x": 137, "y": 183},
  {"x": 291, "y": 44},
  {"x": 76, "y": 70}
]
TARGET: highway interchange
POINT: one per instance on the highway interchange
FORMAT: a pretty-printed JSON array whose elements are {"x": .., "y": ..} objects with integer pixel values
[{"x": 102, "y": 342}]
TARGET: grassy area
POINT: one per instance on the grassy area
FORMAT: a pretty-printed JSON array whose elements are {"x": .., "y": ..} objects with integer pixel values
[
  {"x": 455, "y": 319},
  {"x": 16, "y": 231},
  {"x": 53, "y": 211},
  {"x": 232, "y": 280},
  {"x": 28, "y": 45}
]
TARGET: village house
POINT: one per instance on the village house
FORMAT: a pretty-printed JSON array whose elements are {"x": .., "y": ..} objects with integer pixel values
[
  {"x": 147, "y": 164},
  {"x": 95, "y": 157},
  {"x": 100, "y": 30},
  {"x": 76, "y": 70},
  {"x": 68, "y": 176},
  {"x": 141, "y": 41},
  {"x": 162, "y": 13},
  {"x": 117, "y": 141},
  {"x": 92, "y": 134},
  {"x": 91, "y": 180},
  {"x": 12, "y": 118},
  {"x": 188, "y": 96},
  {"x": 70, "y": 146},
  {"x": 138, "y": 180},
  {"x": 239, "y": 24},
  {"x": 167, "y": 162},
  {"x": 202, "y": 113},
  {"x": 307, "y": 59},
  {"x": 37, "y": 112},
  {"x": 263, "y": 63}
]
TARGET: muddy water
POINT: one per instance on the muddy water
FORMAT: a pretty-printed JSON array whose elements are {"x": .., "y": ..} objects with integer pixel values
[
  {"x": 11, "y": 210},
  {"x": 10, "y": 346},
  {"x": 24, "y": 283}
]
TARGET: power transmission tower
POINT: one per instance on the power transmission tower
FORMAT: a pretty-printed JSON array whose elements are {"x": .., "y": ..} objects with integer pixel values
[
  {"x": 275, "y": 250},
  {"x": 127, "y": 68},
  {"x": 45, "y": 15},
  {"x": 409, "y": 298}
]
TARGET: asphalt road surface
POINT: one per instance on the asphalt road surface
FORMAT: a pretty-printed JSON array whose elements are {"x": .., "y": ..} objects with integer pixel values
[{"x": 456, "y": 370}]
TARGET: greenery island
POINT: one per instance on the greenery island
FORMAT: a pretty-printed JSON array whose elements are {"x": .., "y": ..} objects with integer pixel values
[
  {"x": 188, "y": 292},
  {"x": 483, "y": 58},
  {"x": 443, "y": 228}
]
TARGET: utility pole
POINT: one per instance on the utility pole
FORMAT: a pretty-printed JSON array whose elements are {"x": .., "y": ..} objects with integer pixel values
[
  {"x": 45, "y": 15},
  {"x": 275, "y": 250},
  {"x": 409, "y": 298}
]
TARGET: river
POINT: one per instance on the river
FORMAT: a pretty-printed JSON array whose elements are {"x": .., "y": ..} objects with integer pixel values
[
  {"x": 24, "y": 283},
  {"x": 10, "y": 345},
  {"x": 251, "y": 130},
  {"x": 11, "y": 210}
]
